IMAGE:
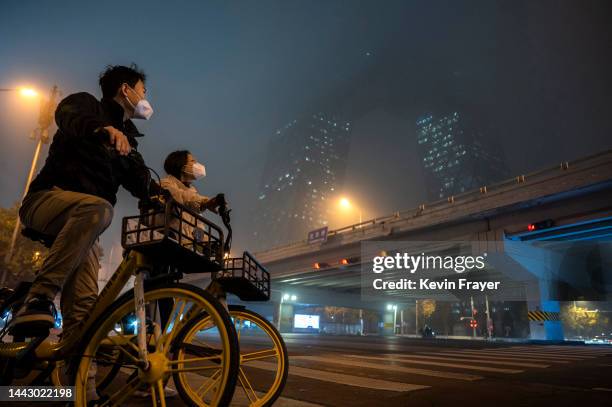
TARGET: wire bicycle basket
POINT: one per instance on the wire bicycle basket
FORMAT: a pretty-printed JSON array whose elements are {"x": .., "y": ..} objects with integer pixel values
[
  {"x": 174, "y": 234},
  {"x": 245, "y": 277}
]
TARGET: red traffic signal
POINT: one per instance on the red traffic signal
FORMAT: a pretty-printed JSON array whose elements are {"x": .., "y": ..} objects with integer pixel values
[
  {"x": 545, "y": 224},
  {"x": 473, "y": 323}
]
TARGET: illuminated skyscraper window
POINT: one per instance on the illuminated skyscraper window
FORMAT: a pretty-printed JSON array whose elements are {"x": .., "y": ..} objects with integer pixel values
[
  {"x": 455, "y": 156},
  {"x": 306, "y": 162}
]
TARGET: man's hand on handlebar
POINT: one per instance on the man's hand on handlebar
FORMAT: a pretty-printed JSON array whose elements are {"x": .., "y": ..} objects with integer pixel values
[{"x": 118, "y": 140}]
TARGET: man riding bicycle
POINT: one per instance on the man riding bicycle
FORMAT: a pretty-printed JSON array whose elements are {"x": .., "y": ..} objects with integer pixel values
[{"x": 71, "y": 200}]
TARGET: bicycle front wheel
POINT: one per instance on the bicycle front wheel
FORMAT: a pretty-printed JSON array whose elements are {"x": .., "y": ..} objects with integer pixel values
[
  {"x": 264, "y": 363},
  {"x": 115, "y": 333}
]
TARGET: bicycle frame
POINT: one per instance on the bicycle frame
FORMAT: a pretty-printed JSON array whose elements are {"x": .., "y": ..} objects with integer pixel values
[{"x": 133, "y": 263}]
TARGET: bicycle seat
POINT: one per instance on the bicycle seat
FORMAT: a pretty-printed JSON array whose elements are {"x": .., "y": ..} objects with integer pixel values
[{"x": 46, "y": 240}]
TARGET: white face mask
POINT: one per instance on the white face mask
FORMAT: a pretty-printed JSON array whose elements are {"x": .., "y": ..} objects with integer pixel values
[
  {"x": 142, "y": 110},
  {"x": 195, "y": 170}
]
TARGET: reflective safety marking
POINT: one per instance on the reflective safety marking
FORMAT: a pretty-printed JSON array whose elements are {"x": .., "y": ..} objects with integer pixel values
[
  {"x": 442, "y": 364},
  {"x": 455, "y": 358},
  {"x": 340, "y": 378},
  {"x": 387, "y": 368}
]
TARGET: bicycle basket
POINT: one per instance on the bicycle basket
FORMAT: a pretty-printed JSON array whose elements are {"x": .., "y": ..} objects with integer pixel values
[
  {"x": 177, "y": 236},
  {"x": 245, "y": 277}
]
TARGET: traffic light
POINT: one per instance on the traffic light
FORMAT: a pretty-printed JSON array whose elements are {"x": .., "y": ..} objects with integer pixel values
[
  {"x": 544, "y": 224},
  {"x": 473, "y": 323}
]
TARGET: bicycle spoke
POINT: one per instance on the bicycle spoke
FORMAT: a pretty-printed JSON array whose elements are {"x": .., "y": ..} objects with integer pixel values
[
  {"x": 262, "y": 354},
  {"x": 192, "y": 360},
  {"x": 246, "y": 385},
  {"x": 159, "y": 386},
  {"x": 169, "y": 336},
  {"x": 125, "y": 352},
  {"x": 124, "y": 392},
  {"x": 128, "y": 341},
  {"x": 239, "y": 320},
  {"x": 213, "y": 379},
  {"x": 192, "y": 369},
  {"x": 171, "y": 319}
]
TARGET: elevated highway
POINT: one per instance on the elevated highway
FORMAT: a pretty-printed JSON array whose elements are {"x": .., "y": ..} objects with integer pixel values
[{"x": 574, "y": 198}]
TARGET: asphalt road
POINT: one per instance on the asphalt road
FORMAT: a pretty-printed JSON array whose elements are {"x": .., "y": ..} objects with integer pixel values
[{"x": 393, "y": 371}]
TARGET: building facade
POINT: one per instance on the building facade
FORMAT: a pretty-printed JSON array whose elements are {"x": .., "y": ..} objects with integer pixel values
[
  {"x": 455, "y": 157},
  {"x": 305, "y": 167}
]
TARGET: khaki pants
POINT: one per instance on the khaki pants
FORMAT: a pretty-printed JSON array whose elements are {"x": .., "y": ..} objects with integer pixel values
[{"x": 77, "y": 220}]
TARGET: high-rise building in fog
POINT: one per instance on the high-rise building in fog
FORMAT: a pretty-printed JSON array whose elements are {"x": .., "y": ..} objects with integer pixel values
[
  {"x": 305, "y": 167},
  {"x": 455, "y": 156}
]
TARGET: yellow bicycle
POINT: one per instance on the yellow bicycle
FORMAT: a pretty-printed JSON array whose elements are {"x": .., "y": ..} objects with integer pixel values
[{"x": 130, "y": 337}]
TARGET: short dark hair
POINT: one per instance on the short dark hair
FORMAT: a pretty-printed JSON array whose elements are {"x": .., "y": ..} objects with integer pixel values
[
  {"x": 175, "y": 161},
  {"x": 116, "y": 75}
]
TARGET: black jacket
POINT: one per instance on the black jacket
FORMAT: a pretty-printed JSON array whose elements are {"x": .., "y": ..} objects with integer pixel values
[{"x": 82, "y": 160}]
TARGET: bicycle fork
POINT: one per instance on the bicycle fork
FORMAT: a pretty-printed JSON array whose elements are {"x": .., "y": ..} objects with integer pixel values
[{"x": 141, "y": 324}]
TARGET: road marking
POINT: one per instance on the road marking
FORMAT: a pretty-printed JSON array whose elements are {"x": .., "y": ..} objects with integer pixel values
[
  {"x": 388, "y": 368},
  {"x": 456, "y": 358},
  {"x": 567, "y": 351},
  {"x": 340, "y": 378},
  {"x": 485, "y": 357},
  {"x": 442, "y": 364},
  {"x": 601, "y": 389},
  {"x": 240, "y": 399},
  {"x": 604, "y": 348},
  {"x": 522, "y": 354}
]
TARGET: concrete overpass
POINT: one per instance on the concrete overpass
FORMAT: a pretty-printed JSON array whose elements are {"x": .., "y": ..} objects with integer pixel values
[{"x": 575, "y": 196}]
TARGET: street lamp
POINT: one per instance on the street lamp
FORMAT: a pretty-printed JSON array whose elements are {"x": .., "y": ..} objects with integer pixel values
[
  {"x": 28, "y": 92},
  {"x": 346, "y": 205},
  {"x": 393, "y": 307},
  {"x": 41, "y": 135},
  {"x": 284, "y": 297},
  {"x": 25, "y": 92}
]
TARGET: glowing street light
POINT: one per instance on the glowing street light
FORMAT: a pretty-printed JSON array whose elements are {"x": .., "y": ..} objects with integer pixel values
[
  {"x": 346, "y": 205},
  {"x": 28, "y": 92},
  {"x": 41, "y": 135}
]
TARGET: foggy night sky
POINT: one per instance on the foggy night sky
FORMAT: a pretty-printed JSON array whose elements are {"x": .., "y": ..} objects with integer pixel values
[{"x": 223, "y": 76}]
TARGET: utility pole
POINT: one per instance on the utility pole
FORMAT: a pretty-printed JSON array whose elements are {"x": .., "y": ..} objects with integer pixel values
[
  {"x": 41, "y": 135},
  {"x": 489, "y": 321},
  {"x": 416, "y": 317},
  {"x": 473, "y": 315}
]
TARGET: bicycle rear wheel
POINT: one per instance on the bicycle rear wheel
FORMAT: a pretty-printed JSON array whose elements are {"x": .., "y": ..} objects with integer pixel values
[
  {"x": 133, "y": 381},
  {"x": 264, "y": 362}
]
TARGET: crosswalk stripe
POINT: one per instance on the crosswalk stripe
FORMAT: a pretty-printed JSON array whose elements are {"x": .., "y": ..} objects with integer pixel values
[
  {"x": 340, "y": 378},
  {"x": 550, "y": 352},
  {"x": 538, "y": 354},
  {"x": 441, "y": 364},
  {"x": 240, "y": 399},
  {"x": 486, "y": 357},
  {"x": 523, "y": 354},
  {"x": 456, "y": 358},
  {"x": 566, "y": 347},
  {"x": 388, "y": 368},
  {"x": 565, "y": 350}
]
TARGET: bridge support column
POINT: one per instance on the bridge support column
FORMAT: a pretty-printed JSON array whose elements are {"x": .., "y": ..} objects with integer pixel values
[
  {"x": 541, "y": 325},
  {"x": 547, "y": 330}
]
